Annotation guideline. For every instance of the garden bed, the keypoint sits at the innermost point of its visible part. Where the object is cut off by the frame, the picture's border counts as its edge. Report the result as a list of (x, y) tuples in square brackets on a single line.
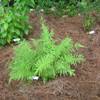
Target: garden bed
[(85, 85)]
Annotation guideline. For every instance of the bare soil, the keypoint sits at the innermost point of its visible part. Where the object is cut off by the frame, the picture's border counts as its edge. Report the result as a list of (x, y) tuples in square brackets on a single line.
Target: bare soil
[(84, 86)]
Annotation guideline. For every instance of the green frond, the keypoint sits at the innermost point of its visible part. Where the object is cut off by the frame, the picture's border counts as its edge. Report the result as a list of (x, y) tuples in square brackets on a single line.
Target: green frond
[(44, 58), (22, 62)]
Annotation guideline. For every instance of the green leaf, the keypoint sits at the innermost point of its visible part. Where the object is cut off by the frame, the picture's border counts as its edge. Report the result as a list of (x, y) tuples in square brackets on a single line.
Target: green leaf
[(6, 26)]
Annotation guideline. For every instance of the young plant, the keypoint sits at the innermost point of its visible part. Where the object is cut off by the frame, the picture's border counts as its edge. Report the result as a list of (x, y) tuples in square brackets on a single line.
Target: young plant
[(89, 22), (44, 57)]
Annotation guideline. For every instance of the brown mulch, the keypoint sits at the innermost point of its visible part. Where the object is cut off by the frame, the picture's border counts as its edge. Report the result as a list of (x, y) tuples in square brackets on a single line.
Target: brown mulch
[(85, 85)]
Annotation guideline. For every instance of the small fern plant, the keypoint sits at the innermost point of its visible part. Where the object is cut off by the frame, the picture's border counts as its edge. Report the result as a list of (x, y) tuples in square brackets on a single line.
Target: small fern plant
[(44, 57)]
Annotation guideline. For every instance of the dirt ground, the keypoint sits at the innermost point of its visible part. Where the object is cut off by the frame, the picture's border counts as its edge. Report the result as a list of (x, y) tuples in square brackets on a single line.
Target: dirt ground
[(84, 86)]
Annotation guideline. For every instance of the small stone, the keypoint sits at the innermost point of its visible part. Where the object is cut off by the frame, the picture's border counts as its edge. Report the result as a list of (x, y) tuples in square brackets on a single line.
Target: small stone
[(42, 10), (35, 77), (53, 9), (64, 16), (91, 32), (79, 14), (31, 9), (16, 40)]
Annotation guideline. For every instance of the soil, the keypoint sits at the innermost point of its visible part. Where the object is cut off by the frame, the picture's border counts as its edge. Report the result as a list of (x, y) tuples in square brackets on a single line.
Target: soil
[(85, 85)]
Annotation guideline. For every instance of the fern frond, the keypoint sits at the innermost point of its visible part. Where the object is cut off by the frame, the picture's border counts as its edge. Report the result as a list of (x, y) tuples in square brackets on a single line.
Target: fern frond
[(44, 58), (22, 62)]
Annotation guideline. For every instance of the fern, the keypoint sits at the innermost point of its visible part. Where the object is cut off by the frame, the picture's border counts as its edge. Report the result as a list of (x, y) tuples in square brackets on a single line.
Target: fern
[(22, 62), (44, 58)]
